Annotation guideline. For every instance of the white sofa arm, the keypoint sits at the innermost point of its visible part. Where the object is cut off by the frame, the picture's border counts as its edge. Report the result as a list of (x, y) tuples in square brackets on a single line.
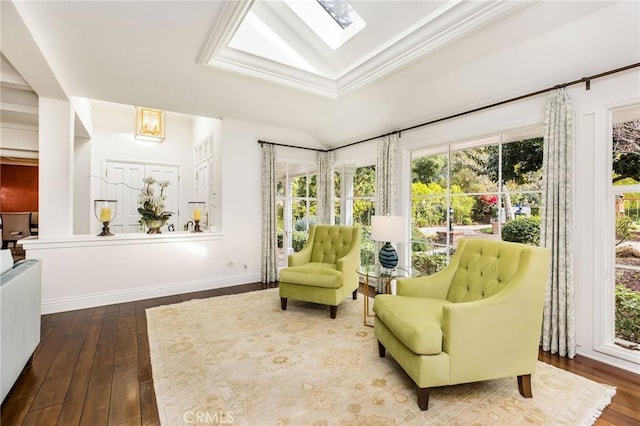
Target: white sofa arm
[(20, 300)]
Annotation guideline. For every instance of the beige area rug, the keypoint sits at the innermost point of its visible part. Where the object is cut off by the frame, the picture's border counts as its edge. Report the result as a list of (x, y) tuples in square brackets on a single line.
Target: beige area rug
[(241, 360)]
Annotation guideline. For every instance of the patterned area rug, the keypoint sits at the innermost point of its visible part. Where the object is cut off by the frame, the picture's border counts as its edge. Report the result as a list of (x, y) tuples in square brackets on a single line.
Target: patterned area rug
[(241, 360)]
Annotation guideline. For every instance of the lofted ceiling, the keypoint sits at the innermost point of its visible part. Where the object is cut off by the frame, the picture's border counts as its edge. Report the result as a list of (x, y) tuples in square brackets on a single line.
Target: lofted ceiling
[(270, 41), (256, 61)]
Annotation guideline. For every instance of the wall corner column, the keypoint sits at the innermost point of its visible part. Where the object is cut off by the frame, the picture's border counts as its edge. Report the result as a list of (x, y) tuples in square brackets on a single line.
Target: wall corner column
[(56, 142)]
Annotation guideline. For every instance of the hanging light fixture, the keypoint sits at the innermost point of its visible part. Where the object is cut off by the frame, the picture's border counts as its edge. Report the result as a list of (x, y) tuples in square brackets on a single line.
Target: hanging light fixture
[(149, 125)]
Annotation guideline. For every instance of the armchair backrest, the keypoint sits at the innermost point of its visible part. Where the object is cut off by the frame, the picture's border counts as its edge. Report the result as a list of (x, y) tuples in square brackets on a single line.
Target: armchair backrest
[(484, 268), (332, 242), (15, 226)]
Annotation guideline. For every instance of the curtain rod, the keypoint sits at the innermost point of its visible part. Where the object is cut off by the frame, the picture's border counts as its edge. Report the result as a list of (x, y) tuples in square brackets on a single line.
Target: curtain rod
[(261, 142), (585, 80)]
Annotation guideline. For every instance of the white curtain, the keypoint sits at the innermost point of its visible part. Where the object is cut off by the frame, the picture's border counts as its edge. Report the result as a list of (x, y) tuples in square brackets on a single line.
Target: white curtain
[(387, 175), (325, 188), (269, 237), (556, 228)]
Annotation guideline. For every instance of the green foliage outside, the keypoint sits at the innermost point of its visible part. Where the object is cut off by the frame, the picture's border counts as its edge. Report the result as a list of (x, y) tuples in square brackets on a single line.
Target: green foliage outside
[(422, 256), (627, 314), (364, 185), (298, 238), (521, 161), (524, 230), (301, 224), (428, 264), (429, 207), (623, 228), (420, 241), (626, 165), (430, 170), (367, 252), (462, 206)]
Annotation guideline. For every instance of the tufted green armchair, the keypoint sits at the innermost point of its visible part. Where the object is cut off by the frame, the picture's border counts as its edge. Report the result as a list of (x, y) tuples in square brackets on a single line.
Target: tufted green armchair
[(324, 271), (479, 318)]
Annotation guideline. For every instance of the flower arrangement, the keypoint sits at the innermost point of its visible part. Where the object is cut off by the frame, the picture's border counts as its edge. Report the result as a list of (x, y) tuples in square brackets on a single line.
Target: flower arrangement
[(152, 205)]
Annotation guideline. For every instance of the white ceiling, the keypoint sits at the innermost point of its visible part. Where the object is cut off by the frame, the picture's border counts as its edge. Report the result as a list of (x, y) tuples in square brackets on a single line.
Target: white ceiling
[(397, 71), (266, 39)]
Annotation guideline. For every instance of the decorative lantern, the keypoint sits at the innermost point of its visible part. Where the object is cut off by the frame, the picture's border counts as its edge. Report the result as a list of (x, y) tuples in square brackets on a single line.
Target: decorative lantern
[(105, 211), (197, 209)]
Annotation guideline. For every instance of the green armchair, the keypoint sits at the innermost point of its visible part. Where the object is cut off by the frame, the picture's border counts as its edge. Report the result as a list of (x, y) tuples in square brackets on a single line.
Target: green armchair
[(479, 318), (324, 271)]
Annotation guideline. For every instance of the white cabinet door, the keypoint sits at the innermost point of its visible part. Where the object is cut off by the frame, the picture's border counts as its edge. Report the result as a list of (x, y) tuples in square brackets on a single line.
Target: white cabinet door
[(124, 181)]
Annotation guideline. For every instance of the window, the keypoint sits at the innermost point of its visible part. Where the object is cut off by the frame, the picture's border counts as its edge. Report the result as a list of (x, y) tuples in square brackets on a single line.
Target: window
[(474, 189), (295, 206), (334, 21), (356, 187), (625, 192), (340, 10)]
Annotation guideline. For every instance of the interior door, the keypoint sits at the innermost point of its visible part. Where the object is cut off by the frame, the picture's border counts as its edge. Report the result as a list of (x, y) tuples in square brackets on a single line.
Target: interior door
[(203, 189), (124, 181), (172, 203)]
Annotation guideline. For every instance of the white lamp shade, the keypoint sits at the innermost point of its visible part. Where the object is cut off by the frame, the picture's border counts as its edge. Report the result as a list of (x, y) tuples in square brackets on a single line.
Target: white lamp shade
[(388, 228)]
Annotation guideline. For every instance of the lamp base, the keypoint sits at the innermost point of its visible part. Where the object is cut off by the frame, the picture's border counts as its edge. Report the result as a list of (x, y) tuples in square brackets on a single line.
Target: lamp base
[(105, 230), (388, 256), (196, 226)]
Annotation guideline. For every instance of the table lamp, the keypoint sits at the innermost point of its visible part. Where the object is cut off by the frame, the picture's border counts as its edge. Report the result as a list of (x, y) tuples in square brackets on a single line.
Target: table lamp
[(388, 229)]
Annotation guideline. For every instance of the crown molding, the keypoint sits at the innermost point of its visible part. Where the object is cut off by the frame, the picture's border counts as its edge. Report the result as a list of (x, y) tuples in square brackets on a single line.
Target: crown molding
[(253, 66), (443, 27), (449, 23), (224, 28)]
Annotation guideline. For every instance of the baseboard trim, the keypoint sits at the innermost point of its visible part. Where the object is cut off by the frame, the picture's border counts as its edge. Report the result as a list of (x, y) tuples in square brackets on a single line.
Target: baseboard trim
[(51, 306)]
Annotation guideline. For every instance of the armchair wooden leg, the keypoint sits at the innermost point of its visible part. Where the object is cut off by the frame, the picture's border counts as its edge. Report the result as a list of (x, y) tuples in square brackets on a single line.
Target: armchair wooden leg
[(524, 386), (354, 295), (423, 398), (283, 303), (333, 310), (381, 350)]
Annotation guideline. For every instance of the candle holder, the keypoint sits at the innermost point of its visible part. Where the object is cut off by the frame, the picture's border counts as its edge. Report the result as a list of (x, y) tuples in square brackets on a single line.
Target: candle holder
[(197, 209), (105, 211)]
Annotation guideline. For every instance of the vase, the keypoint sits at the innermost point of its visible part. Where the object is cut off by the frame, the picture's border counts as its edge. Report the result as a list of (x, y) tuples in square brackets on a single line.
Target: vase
[(154, 225)]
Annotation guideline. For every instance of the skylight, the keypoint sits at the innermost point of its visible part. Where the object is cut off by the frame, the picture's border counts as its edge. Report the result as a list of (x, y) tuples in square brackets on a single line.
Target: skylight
[(323, 15), (340, 11)]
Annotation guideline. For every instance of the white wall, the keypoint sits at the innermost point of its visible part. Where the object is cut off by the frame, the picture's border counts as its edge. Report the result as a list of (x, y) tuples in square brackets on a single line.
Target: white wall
[(83, 216), (113, 139), (141, 266), (241, 193)]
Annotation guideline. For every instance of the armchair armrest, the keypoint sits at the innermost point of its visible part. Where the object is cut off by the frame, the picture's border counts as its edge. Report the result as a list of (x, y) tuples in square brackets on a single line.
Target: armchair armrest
[(434, 286), (349, 261), (300, 258), (348, 264)]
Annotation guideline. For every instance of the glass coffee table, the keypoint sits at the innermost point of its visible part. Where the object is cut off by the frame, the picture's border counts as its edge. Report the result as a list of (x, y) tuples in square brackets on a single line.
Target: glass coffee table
[(383, 278)]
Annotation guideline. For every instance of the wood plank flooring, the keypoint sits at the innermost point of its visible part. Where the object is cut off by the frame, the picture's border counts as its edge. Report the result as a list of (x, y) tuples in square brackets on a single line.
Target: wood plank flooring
[(92, 367)]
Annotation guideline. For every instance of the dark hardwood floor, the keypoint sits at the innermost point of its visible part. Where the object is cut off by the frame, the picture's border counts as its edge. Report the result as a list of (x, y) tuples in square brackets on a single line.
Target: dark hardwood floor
[(92, 367)]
